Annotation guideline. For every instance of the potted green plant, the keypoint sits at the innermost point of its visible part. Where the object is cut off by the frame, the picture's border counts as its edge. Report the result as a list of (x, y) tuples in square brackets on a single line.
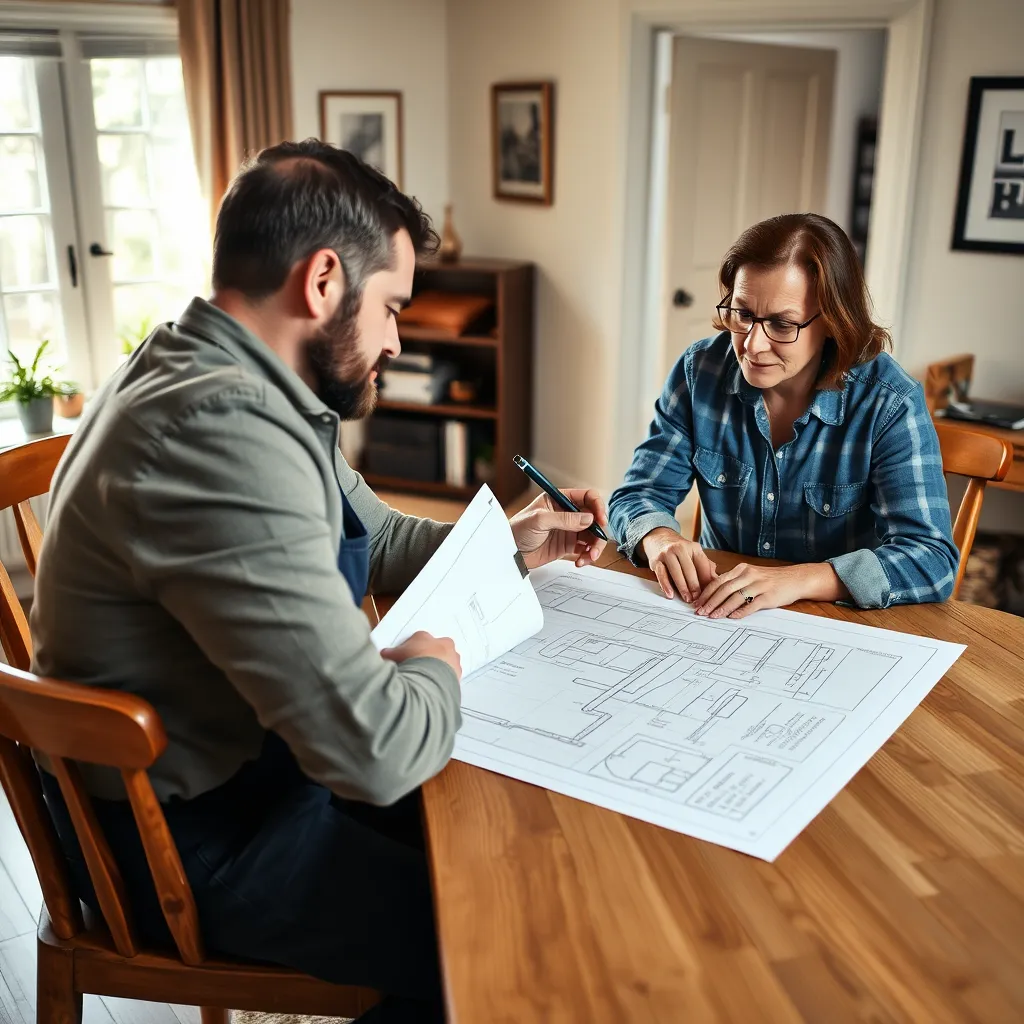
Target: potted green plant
[(34, 392)]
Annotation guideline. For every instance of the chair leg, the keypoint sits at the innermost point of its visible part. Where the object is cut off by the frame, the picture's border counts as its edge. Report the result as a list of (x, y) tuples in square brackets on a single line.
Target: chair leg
[(214, 1015), (57, 1002)]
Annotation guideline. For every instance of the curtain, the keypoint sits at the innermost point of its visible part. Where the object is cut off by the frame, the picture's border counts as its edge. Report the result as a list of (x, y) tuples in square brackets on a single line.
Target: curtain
[(236, 64)]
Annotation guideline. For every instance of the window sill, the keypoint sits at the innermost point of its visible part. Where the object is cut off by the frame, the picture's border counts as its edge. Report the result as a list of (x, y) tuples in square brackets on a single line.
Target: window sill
[(13, 433)]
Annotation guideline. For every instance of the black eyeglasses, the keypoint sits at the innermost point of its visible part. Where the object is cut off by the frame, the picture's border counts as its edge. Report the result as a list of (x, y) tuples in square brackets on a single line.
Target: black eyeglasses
[(777, 329)]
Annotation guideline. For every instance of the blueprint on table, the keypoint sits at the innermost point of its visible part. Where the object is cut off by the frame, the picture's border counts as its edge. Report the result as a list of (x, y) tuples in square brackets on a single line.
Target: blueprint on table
[(737, 732)]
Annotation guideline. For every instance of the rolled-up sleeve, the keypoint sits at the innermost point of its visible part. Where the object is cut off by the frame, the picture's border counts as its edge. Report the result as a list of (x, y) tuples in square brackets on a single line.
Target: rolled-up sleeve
[(916, 561), (232, 538), (661, 473)]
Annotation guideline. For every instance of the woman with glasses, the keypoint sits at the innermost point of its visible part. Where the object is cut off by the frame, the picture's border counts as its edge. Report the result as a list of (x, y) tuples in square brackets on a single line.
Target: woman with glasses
[(806, 441)]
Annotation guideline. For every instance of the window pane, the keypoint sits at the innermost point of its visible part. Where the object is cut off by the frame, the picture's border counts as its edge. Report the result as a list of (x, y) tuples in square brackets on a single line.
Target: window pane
[(16, 92), (24, 261), (132, 238), (19, 174), (167, 112), (138, 308), (31, 317), (117, 92), (123, 166)]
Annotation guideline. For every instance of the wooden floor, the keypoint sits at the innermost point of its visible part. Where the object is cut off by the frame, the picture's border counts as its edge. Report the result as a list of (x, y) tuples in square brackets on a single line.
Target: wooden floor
[(20, 898)]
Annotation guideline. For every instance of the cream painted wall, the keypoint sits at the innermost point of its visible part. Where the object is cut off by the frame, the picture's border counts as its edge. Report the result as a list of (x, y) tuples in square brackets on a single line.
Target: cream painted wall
[(955, 301), (383, 45), (963, 301), (573, 242)]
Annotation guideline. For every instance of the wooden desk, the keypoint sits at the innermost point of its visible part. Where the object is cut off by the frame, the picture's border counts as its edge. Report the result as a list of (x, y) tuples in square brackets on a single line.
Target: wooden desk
[(902, 901), (1015, 478)]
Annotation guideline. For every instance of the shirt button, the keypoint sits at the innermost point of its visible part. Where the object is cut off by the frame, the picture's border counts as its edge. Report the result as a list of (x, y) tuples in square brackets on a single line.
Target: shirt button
[(771, 497), (766, 545), (326, 417), (826, 507), (721, 478)]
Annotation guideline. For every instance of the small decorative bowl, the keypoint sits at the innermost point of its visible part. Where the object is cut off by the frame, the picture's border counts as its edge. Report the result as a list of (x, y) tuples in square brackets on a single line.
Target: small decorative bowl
[(462, 390)]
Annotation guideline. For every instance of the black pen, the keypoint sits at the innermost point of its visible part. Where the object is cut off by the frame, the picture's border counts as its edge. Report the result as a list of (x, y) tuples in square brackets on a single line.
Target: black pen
[(555, 494)]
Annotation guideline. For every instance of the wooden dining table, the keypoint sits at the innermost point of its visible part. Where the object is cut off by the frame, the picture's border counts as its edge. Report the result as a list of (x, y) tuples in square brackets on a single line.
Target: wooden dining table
[(902, 901)]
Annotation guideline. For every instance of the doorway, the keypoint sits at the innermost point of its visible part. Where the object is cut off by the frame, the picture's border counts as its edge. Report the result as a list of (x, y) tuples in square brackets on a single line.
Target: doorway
[(898, 31)]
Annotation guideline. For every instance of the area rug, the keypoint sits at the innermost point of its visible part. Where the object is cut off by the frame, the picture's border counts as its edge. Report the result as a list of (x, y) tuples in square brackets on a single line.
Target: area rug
[(254, 1017)]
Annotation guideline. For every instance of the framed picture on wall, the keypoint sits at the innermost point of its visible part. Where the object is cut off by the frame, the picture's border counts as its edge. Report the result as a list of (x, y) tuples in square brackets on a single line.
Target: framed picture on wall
[(990, 201), (368, 124), (522, 140)]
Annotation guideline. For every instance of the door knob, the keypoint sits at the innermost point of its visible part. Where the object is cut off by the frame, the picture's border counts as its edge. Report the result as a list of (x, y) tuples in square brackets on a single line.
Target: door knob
[(681, 297), (97, 250)]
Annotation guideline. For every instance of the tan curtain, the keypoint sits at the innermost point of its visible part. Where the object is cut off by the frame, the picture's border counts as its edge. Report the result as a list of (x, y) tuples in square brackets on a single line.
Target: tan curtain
[(237, 69)]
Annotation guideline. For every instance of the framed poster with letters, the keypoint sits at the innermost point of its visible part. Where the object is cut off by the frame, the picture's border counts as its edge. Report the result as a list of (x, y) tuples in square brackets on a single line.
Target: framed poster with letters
[(990, 200)]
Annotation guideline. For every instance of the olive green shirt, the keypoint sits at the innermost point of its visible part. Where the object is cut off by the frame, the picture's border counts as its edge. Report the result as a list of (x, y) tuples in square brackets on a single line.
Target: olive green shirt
[(190, 557)]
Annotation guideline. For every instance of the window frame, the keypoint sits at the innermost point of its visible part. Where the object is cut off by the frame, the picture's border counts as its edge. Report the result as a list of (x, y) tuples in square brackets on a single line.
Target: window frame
[(72, 168)]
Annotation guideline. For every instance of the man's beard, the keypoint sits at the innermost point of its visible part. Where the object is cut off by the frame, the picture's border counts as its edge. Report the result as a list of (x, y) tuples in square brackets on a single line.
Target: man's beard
[(343, 378)]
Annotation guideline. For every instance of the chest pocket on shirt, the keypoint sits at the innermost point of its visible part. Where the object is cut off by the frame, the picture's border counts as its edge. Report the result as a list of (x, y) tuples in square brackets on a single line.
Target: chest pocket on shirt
[(721, 480), (830, 522)]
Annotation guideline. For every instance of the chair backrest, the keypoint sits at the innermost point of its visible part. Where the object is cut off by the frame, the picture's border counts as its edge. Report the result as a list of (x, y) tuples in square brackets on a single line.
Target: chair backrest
[(71, 723), (981, 458), (25, 472), (947, 378)]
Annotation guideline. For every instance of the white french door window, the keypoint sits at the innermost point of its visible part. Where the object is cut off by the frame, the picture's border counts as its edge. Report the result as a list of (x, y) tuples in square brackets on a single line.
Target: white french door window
[(103, 230)]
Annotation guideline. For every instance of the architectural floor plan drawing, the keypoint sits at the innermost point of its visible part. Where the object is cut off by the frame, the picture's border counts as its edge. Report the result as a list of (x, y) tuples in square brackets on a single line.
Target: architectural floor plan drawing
[(737, 732)]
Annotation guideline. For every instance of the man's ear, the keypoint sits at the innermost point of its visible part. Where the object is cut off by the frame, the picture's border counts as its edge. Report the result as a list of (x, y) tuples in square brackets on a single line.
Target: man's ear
[(323, 285)]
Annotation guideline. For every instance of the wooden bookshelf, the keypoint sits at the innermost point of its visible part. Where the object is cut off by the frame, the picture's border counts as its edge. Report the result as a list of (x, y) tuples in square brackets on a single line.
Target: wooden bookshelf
[(433, 488), (450, 411), (410, 332), (496, 351)]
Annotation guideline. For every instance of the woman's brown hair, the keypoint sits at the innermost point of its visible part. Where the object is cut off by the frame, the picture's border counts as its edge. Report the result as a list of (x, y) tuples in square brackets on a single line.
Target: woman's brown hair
[(822, 248)]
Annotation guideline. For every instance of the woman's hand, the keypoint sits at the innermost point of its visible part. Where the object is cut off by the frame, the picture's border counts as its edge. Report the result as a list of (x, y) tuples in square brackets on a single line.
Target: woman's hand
[(544, 532), (767, 587), (681, 566)]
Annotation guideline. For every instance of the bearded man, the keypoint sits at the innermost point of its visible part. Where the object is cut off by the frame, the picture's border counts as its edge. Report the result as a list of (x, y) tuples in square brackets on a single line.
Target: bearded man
[(208, 548)]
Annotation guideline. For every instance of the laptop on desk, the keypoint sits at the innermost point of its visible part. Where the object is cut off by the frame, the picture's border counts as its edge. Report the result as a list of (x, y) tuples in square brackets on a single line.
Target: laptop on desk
[(993, 414)]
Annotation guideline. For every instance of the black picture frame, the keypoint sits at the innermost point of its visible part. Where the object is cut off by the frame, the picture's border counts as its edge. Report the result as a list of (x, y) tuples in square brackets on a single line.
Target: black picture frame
[(980, 88)]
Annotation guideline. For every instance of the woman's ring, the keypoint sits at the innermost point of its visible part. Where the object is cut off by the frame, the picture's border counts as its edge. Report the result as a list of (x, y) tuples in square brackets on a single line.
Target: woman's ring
[(746, 597)]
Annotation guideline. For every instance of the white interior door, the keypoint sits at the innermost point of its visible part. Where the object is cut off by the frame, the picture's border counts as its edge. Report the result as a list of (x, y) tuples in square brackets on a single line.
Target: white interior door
[(749, 139)]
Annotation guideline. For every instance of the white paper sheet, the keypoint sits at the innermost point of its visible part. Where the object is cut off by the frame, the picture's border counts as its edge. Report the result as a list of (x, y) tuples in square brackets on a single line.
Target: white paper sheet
[(471, 590), (737, 732)]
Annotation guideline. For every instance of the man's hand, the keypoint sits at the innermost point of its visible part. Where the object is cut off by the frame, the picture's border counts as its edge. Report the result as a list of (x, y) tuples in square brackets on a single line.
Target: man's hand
[(423, 645), (544, 532), (681, 565), (768, 587)]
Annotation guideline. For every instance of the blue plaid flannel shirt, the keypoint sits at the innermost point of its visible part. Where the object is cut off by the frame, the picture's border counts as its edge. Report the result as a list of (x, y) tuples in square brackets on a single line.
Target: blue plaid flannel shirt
[(860, 484)]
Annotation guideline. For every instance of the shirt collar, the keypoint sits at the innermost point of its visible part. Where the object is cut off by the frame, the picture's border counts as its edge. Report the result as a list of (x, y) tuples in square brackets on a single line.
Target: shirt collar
[(212, 324), (828, 405)]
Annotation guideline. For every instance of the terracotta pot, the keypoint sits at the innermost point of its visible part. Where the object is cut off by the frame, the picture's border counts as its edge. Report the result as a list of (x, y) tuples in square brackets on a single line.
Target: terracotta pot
[(69, 406)]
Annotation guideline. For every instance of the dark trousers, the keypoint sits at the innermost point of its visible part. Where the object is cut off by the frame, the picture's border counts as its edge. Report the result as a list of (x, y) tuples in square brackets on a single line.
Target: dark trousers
[(284, 872)]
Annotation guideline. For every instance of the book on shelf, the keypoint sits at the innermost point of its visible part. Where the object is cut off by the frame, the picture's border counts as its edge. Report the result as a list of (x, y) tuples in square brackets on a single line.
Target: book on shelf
[(421, 386), (456, 453)]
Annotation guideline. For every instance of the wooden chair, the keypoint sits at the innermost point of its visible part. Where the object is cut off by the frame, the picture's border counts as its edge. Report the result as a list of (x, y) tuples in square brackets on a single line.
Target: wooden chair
[(982, 458), (25, 472), (965, 452), (70, 723)]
